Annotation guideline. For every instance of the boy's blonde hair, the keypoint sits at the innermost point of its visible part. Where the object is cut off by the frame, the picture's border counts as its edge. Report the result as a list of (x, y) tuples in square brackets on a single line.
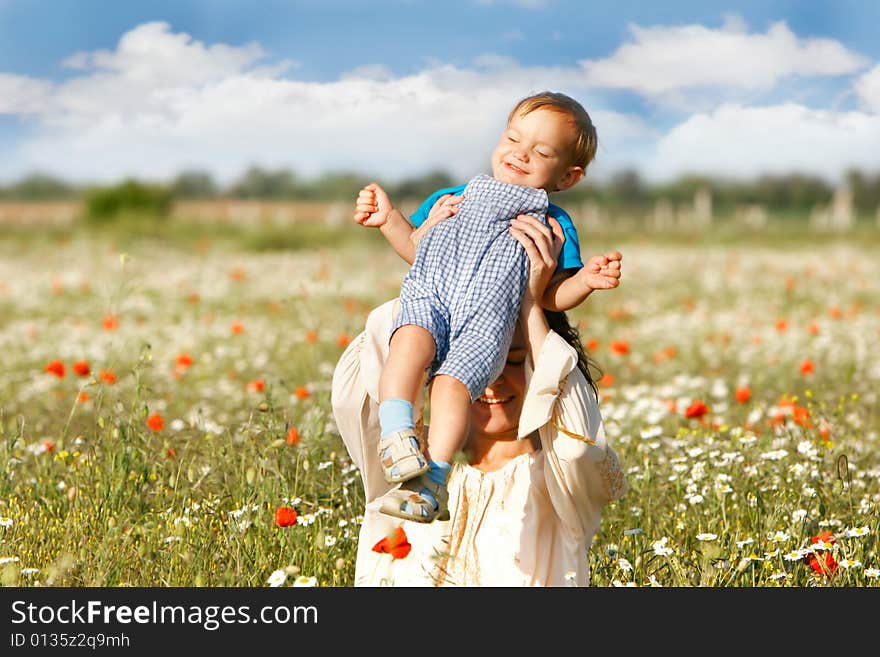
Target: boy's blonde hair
[(587, 139)]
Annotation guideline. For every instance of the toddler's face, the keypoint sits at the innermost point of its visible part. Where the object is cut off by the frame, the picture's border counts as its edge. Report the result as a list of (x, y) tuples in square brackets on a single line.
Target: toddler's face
[(536, 150)]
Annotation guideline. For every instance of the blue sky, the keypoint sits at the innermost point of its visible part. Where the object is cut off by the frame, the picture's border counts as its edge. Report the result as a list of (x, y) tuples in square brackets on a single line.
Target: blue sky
[(97, 90)]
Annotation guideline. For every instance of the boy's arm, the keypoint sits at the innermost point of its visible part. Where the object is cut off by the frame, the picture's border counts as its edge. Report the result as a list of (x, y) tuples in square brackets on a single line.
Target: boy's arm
[(568, 289), (398, 231), (373, 208)]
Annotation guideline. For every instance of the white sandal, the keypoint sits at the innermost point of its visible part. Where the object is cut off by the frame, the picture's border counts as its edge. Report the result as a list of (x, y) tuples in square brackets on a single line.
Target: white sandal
[(407, 502), (400, 454)]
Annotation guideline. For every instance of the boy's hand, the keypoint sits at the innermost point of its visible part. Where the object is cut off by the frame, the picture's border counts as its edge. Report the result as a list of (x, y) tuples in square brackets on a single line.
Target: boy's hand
[(372, 206), (602, 272)]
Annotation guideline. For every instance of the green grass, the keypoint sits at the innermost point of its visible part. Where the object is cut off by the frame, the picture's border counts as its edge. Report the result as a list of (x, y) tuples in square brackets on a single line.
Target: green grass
[(113, 502)]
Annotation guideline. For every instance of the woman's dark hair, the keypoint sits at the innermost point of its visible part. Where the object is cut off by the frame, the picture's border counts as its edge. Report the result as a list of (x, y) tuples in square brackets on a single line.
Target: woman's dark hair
[(559, 323)]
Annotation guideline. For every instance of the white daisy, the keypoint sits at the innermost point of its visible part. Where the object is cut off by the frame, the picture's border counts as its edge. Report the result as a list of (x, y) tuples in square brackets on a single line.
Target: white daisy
[(302, 580), (277, 578), (706, 536)]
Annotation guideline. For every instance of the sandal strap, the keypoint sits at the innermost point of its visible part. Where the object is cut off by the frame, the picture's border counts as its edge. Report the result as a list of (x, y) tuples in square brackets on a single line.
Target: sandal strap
[(401, 456), (407, 502)]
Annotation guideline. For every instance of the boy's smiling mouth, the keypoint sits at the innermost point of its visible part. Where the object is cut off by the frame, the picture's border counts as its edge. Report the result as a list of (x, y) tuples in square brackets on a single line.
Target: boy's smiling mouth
[(515, 169)]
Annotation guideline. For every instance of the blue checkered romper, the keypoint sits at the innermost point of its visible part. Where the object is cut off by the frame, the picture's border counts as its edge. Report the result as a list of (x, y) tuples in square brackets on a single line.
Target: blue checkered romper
[(467, 281)]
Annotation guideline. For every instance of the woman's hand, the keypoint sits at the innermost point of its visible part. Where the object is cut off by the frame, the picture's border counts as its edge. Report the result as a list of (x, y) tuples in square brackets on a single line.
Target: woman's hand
[(445, 207), (542, 245)]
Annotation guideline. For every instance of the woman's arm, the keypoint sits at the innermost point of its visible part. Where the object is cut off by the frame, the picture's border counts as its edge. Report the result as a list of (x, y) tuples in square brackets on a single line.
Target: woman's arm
[(354, 396), (582, 473)]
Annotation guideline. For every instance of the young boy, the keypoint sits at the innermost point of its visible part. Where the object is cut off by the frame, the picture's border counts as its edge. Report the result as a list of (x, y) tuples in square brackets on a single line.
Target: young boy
[(460, 300)]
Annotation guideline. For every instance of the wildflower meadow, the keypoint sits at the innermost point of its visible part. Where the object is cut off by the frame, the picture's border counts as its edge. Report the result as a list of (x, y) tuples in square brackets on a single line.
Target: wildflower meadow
[(165, 407)]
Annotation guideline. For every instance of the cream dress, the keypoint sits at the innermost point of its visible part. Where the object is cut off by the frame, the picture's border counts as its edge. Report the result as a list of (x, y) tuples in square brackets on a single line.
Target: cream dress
[(530, 523)]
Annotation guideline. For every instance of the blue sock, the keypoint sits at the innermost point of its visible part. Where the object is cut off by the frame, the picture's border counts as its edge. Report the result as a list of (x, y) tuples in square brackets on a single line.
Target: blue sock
[(395, 415), (438, 473)]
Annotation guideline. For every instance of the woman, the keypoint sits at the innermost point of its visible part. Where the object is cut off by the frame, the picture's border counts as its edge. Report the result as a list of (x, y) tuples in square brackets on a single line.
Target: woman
[(526, 505)]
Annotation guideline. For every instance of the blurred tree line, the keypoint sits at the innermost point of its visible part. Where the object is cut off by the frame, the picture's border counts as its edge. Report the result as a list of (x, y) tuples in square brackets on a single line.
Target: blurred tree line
[(625, 189)]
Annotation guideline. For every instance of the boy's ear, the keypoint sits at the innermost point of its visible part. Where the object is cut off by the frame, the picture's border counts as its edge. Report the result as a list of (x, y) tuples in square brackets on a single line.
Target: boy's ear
[(570, 178)]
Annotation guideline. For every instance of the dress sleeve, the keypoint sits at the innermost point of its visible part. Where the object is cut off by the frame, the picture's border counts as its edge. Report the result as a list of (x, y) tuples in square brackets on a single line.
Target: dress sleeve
[(581, 469), (354, 396)]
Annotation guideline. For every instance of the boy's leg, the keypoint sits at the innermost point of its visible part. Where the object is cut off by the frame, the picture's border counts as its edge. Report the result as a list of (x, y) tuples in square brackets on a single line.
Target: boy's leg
[(411, 351), (450, 418), (425, 498)]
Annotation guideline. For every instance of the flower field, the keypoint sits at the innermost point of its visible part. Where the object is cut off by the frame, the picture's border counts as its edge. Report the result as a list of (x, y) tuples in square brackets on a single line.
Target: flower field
[(165, 415)]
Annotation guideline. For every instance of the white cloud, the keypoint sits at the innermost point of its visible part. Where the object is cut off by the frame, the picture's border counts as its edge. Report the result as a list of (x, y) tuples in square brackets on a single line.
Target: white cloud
[(739, 141), (660, 61), (868, 89), (161, 102), (22, 95)]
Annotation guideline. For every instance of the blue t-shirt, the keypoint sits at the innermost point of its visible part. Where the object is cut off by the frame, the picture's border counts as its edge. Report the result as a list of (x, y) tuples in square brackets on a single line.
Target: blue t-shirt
[(569, 257)]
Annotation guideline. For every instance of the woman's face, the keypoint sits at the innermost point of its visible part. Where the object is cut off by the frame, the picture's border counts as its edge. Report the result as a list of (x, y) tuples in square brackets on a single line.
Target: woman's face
[(497, 410)]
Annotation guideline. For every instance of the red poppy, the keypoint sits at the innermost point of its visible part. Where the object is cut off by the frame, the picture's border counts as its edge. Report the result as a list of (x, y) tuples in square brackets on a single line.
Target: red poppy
[(743, 394), (696, 409), (302, 392), (83, 397), (671, 406), (801, 416), (807, 367), (49, 446), (835, 312), (823, 565), (107, 376), (110, 323), (813, 328), (257, 385), (292, 436), (592, 344), (56, 367), (619, 346), (311, 337), (781, 325), (81, 368), (237, 328), (665, 354), (606, 380), (285, 516), (183, 360), (237, 274), (342, 340), (156, 422), (395, 544)]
